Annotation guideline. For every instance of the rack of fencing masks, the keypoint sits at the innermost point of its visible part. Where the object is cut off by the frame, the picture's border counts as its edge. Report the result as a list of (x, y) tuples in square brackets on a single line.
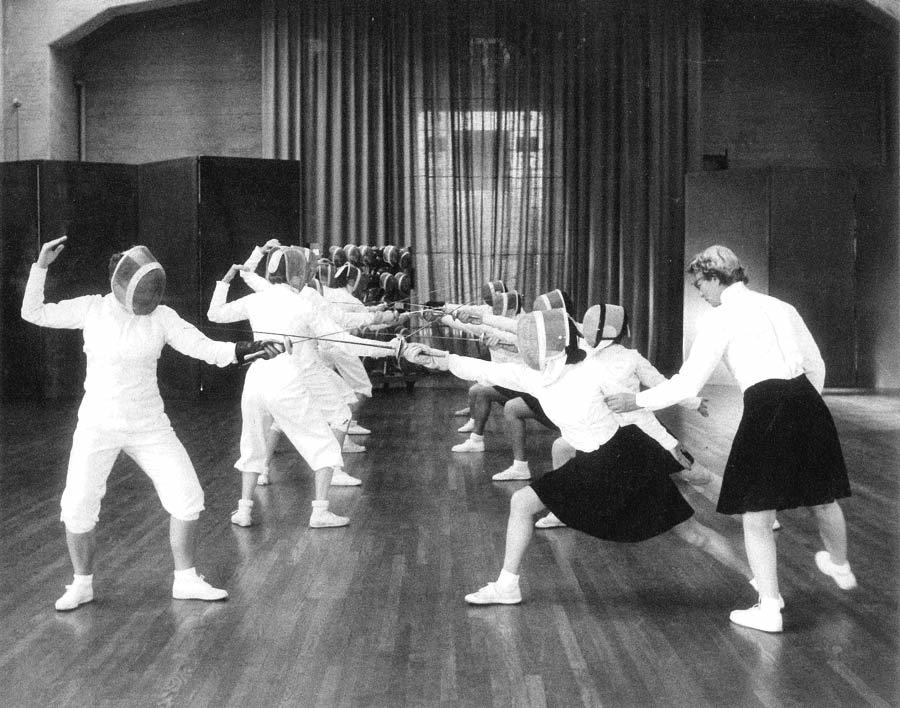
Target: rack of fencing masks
[(386, 277)]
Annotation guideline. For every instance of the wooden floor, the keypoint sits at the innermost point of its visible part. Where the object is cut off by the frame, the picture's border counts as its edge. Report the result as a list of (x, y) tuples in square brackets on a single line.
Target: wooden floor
[(372, 615)]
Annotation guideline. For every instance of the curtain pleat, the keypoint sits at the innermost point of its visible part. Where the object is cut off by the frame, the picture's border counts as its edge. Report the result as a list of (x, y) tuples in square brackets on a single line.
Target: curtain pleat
[(541, 142)]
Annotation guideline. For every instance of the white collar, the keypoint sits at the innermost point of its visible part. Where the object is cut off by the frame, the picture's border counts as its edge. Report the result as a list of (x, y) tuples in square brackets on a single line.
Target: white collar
[(734, 290)]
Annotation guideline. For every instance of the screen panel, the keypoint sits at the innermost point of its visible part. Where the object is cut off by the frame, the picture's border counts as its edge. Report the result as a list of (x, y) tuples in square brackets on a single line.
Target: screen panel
[(243, 203), (95, 205), (811, 260), (21, 347), (168, 227)]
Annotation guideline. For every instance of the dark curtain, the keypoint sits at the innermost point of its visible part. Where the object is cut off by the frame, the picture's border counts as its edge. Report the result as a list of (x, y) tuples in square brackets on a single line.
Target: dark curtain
[(533, 141)]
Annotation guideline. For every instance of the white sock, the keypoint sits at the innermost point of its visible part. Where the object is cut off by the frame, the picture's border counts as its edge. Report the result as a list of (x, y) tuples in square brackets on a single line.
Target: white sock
[(83, 579), (844, 568), (507, 580), (769, 604), (186, 574), (336, 471), (475, 437), (319, 505), (520, 465), (245, 502)]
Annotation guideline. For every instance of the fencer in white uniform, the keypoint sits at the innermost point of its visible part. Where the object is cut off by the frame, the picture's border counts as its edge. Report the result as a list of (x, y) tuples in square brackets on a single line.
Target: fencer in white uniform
[(294, 391), (605, 328), (616, 487), (351, 313), (124, 333)]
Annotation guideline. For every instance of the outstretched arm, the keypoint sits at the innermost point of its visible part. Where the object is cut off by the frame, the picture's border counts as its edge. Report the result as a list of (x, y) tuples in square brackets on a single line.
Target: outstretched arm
[(649, 376)]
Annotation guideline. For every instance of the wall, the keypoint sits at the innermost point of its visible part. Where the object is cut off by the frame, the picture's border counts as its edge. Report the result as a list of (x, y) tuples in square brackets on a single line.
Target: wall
[(38, 75), (171, 83), (805, 85), (794, 84)]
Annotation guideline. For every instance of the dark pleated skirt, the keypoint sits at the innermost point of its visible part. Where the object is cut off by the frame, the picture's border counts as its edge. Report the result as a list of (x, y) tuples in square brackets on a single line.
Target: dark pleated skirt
[(786, 451), (532, 402), (620, 492)]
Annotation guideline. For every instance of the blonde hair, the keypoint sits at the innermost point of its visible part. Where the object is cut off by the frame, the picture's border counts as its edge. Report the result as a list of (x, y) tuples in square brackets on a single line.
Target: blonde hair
[(718, 262)]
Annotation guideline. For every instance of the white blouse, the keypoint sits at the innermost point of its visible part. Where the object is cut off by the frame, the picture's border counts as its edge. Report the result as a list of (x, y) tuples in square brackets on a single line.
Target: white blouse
[(120, 387), (758, 336), (571, 396)]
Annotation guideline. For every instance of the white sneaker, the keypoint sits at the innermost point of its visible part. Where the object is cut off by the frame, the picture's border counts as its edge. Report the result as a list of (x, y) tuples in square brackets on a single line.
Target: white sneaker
[(462, 412), (467, 427), (490, 594), (196, 588), (356, 429), (76, 594), (550, 521), (324, 519), (469, 445), (758, 617), (753, 584), (243, 515), (263, 480), (841, 574), (511, 474), (342, 479), (350, 446)]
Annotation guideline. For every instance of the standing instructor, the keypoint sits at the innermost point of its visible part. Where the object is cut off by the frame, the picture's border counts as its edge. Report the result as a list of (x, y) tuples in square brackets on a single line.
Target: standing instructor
[(786, 452)]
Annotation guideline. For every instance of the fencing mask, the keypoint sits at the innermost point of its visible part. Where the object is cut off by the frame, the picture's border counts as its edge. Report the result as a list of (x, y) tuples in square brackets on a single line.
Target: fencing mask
[(288, 264), (348, 274), (602, 324), (490, 288), (555, 299), (338, 256), (541, 335), (354, 255), (325, 272), (388, 284), (138, 281), (391, 255), (507, 304), (404, 284)]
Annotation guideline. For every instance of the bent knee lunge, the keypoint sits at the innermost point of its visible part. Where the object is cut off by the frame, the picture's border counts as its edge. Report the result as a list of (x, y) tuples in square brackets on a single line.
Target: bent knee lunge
[(526, 502)]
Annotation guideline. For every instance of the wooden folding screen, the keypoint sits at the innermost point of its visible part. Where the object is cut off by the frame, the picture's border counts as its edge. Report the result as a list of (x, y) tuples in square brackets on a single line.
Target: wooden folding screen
[(95, 205), (200, 215)]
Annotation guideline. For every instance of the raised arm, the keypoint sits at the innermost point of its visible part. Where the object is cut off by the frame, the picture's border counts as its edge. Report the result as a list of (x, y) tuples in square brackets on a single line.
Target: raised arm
[(222, 311), (67, 314), (258, 253)]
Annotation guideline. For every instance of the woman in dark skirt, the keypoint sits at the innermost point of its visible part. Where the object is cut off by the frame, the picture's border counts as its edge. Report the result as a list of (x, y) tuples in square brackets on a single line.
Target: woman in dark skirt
[(786, 452), (617, 486)]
